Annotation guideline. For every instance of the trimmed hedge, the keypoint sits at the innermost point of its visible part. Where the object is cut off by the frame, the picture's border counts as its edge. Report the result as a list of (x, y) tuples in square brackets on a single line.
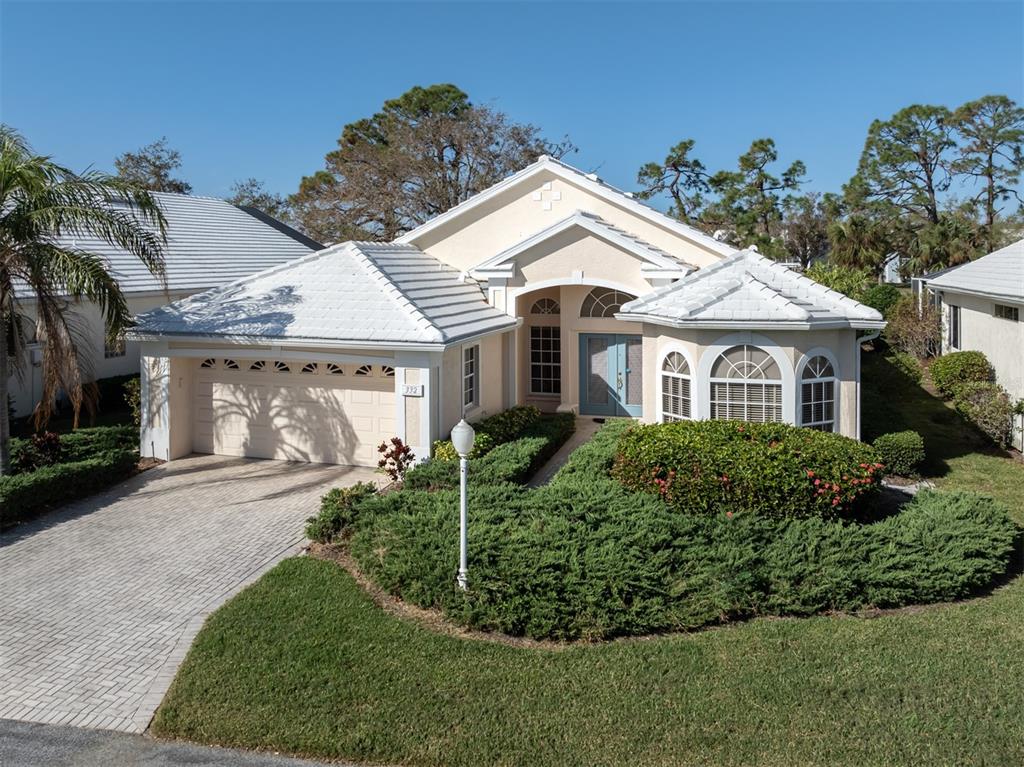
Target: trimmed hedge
[(987, 406), (514, 461), (85, 443), (338, 510), (881, 297), (772, 469), (956, 368), (585, 558), (492, 431), (900, 452), (23, 495)]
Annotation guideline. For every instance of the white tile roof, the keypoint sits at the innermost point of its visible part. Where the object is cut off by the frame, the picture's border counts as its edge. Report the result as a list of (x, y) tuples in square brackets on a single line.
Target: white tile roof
[(588, 181), (1000, 273), (656, 259), (354, 293), (210, 242), (749, 290)]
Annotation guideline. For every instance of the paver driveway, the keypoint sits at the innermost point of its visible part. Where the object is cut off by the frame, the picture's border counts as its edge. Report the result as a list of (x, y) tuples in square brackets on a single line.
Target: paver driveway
[(100, 600)]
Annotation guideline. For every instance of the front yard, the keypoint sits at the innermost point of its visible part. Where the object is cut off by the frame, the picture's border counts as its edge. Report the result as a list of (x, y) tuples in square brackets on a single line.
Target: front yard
[(305, 662)]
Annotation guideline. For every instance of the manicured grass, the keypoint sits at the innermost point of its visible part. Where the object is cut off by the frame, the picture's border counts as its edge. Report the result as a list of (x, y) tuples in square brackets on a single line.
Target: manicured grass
[(304, 662)]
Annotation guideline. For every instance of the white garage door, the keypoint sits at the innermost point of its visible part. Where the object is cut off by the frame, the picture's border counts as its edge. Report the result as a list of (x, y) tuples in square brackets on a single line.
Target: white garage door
[(295, 411)]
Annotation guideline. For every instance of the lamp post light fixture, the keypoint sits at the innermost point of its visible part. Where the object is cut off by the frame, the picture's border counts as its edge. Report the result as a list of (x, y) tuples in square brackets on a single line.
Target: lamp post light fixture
[(462, 438)]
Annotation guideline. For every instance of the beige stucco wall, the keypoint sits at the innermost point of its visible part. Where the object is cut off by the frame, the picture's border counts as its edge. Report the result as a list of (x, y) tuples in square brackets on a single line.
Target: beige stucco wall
[(492, 371), (87, 318), (1001, 340), (792, 345), (514, 215), (579, 255)]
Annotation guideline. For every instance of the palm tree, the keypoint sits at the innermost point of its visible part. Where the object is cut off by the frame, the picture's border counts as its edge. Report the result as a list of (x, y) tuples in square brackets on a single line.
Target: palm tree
[(39, 202)]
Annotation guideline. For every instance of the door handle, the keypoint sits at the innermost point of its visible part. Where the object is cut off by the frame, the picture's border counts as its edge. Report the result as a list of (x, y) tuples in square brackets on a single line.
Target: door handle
[(618, 381)]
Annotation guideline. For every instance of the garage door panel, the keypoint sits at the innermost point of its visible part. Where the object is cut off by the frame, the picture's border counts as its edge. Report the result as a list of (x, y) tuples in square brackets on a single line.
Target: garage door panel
[(291, 416)]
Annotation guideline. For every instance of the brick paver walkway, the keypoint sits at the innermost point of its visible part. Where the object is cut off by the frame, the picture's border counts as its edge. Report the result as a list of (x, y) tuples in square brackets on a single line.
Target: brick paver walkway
[(100, 600)]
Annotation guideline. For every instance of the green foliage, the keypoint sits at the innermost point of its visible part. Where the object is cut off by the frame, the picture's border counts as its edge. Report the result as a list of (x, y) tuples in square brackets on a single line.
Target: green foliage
[(587, 559), (514, 461), (773, 469), (951, 370), (842, 279), (900, 452), (881, 297), (988, 406), (151, 167), (23, 495), (908, 365), (81, 444), (912, 329), (133, 398), (444, 450), (595, 458), (338, 510), (492, 431)]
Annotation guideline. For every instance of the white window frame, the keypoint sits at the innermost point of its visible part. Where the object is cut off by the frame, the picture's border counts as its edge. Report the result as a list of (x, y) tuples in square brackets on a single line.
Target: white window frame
[(556, 336), (748, 384), (663, 415), (470, 377), (1006, 312), (806, 360), (955, 327)]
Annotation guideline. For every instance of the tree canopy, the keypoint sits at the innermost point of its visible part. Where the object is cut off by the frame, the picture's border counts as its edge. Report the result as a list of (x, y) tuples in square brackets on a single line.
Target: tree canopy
[(252, 193), (422, 154), (151, 167)]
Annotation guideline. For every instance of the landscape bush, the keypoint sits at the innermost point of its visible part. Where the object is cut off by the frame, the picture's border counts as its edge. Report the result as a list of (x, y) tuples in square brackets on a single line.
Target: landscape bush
[(770, 469), (513, 461), (23, 495), (492, 431), (337, 512), (908, 365), (900, 452), (957, 368), (881, 297), (988, 406), (912, 329), (585, 558), (851, 282), (78, 445)]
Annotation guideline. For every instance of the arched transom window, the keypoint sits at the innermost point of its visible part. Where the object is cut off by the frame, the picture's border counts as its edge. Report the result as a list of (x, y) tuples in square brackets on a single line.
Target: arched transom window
[(818, 395), (604, 302), (746, 385), (675, 388), (545, 306)]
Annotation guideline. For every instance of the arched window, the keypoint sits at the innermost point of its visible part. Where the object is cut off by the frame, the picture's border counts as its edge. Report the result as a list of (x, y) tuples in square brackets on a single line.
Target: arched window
[(258, 365), (675, 388), (545, 306), (282, 367), (387, 371), (230, 365), (364, 370), (209, 362), (310, 367), (746, 385), (818, 395), (604, 302), (335, 370)]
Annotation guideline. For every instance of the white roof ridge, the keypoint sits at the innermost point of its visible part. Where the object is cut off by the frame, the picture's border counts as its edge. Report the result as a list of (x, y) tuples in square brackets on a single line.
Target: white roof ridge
[(396, 293)]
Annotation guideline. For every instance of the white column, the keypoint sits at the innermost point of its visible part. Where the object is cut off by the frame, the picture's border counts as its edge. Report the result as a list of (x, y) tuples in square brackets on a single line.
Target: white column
[(154, 391)]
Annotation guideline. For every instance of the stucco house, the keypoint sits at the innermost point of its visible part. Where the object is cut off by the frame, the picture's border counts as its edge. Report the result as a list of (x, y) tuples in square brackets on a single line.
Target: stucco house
[(210, 242), (981, 304), (551, 288)]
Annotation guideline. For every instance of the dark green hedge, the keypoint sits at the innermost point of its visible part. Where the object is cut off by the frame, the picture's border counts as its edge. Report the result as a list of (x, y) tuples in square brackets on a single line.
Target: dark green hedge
[(772, 469), (23, 495), (951, 370), (514, 461), (900, 452), (85, 443), (588, 559)]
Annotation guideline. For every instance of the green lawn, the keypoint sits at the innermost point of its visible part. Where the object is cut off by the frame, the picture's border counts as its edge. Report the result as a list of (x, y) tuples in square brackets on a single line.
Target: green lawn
[(304, 662)]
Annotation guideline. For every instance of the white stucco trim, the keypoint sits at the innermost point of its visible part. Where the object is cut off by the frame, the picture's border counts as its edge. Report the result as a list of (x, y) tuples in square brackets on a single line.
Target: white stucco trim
[(514, 293), (820, 351), (667, 349), (774, 350)]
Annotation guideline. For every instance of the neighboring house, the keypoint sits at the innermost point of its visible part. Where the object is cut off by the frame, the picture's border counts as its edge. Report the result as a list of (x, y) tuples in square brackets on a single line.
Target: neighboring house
[(210, 242), (982, 302), (550, 288), (891, 269)]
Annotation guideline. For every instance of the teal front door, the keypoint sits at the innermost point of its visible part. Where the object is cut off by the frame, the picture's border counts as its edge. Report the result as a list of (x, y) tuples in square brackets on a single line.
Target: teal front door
[(611, 374)]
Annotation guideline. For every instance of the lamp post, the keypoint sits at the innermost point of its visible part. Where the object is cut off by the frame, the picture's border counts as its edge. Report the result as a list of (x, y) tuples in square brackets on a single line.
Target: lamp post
[(462, 438)]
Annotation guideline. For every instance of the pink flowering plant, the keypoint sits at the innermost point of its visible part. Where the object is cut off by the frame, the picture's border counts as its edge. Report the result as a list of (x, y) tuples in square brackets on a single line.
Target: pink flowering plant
[(772, 469)]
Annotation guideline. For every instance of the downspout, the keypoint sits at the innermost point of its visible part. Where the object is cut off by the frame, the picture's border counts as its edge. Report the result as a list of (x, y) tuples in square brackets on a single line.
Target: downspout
[(869, 336)]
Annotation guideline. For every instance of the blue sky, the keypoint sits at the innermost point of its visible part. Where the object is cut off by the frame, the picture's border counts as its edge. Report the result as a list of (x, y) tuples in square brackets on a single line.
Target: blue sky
[(263, 89)]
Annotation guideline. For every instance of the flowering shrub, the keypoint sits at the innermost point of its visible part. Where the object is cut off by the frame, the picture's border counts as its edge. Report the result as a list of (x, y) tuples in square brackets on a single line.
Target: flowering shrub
[(770, 469), (396, 458)]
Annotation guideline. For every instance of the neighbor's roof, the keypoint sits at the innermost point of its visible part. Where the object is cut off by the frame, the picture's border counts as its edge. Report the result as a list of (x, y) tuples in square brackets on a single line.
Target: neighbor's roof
[(749, 290), (354, 293), (999, 274), (588, 181), (210, 242)]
